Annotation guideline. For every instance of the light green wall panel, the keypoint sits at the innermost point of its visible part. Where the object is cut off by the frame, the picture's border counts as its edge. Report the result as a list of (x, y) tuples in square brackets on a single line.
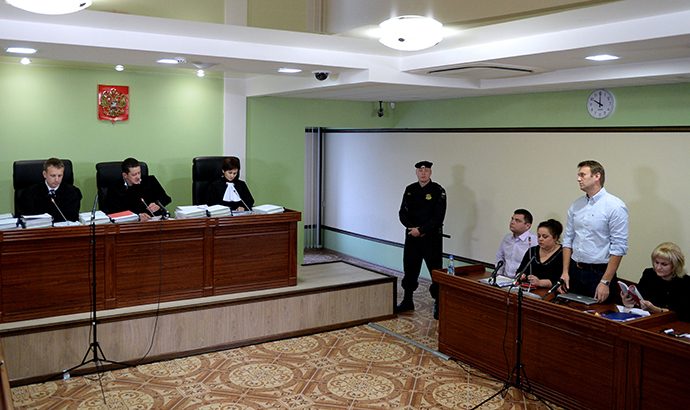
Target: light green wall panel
[(52, 111), (275, 143), (663, 105), (375, 252), (275, 130)]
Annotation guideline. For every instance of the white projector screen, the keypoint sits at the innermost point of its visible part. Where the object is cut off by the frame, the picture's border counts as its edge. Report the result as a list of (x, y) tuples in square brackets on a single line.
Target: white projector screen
[(487, 175)]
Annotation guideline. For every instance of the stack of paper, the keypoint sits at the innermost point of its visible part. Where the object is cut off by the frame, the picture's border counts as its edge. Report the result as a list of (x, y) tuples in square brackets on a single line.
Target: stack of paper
[(8, 222), (124, 216), (190, 211), (99, 217), (37, 221), (216, 211), (268, 209)]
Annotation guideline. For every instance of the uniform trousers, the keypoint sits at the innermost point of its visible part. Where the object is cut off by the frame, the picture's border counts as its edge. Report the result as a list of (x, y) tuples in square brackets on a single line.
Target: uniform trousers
[(427, 248)]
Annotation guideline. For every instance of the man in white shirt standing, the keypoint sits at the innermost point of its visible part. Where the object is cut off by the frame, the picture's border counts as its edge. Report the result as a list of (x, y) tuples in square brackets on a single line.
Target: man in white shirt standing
[(596, 236), (516, 243)]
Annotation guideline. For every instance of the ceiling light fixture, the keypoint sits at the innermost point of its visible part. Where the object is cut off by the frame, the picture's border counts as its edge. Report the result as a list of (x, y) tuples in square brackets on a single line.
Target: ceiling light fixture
[(602, 57), (200, 73), (119, 67), (50, 6), (202, 65), (287, 70), (21, 50), (175, 60), (411, 33), (25, 61)]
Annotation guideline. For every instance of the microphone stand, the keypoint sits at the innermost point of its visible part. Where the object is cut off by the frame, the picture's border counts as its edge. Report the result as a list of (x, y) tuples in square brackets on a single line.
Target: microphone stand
[(94, 346), (519, 369)]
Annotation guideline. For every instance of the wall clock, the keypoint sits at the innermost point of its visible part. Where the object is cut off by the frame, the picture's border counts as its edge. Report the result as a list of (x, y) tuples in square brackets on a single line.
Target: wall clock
[(601, 104)]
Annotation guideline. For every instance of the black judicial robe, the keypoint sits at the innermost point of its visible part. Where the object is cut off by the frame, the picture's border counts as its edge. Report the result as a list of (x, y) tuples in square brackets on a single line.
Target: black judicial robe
[(36, 200), (216, 191), (121, 197)]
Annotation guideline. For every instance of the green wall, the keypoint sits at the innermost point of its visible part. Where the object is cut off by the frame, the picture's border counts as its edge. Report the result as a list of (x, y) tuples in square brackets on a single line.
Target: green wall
[(649, 106), (52, 111), (275, 134)]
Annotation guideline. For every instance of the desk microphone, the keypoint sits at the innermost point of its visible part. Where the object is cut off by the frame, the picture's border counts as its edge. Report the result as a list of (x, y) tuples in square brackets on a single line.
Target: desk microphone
[(241, 200), (52, 199), (519, 274), (558, 284), (147, 207), (492, 280), (93, 211), (166, 213)]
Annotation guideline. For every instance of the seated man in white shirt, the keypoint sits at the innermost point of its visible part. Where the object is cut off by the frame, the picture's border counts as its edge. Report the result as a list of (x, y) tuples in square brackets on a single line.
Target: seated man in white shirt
[(516, 243)]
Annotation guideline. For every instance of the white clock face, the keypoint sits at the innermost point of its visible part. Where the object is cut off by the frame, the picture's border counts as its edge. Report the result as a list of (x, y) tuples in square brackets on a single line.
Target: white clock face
[(601, 104)]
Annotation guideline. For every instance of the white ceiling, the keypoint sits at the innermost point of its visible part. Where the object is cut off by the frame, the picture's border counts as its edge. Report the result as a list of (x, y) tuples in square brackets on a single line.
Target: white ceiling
[(651, 37)]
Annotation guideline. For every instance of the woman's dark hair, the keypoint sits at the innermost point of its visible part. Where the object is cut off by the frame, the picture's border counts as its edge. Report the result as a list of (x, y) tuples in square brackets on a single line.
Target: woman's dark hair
[(231, 163), (555, 228)]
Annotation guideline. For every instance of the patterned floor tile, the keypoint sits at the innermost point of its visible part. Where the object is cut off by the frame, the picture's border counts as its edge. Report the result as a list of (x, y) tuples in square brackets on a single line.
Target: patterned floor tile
[(359, 368)]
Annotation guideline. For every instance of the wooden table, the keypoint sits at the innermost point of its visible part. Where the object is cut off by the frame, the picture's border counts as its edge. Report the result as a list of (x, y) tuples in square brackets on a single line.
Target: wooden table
[(47, 272), (574, 358)]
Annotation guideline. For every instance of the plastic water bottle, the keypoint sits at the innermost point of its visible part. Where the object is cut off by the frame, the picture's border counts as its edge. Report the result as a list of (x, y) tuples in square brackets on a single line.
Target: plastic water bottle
[(451, 265)]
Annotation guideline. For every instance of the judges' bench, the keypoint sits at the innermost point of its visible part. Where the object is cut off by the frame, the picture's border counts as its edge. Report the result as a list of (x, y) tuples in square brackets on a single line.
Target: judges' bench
[(48, 271)]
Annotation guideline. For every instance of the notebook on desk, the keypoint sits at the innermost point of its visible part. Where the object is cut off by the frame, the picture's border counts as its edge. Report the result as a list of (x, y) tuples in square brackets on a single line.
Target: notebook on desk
[(578, 298)]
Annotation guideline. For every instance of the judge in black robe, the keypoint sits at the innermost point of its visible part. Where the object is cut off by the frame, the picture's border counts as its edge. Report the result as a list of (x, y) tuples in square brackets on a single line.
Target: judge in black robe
[(37, 199)]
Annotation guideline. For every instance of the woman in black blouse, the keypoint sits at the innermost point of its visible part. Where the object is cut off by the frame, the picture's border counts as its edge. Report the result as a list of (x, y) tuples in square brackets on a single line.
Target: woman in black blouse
[(543, 264), (665, 286), (230, 190)]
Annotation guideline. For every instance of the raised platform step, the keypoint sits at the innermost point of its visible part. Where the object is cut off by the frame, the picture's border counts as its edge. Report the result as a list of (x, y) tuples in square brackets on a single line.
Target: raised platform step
[(326, 297)]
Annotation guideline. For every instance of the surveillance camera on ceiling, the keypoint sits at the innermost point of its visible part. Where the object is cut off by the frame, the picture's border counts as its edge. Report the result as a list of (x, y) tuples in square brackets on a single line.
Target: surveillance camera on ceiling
[(321, 75)]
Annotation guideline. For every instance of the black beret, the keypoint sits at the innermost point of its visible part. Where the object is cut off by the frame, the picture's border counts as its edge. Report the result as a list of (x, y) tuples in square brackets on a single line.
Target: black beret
[(423, 164)]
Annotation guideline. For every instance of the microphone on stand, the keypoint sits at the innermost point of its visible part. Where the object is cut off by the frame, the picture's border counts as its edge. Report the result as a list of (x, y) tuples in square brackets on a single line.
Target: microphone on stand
[(558, 284), (519, 274), (166, 213), (52, 199), (241, 200), (147, 207), (492, 280)]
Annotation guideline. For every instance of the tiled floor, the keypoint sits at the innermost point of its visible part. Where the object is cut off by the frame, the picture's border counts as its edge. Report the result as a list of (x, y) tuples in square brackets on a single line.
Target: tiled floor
[(355, 368)]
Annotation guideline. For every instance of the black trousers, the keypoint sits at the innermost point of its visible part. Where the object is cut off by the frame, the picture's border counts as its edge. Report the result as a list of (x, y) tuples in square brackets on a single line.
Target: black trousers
[(427, 248)]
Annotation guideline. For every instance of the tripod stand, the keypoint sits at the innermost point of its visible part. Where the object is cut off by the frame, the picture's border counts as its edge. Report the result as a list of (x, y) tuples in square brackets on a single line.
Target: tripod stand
[(94, 346), (519, 369)]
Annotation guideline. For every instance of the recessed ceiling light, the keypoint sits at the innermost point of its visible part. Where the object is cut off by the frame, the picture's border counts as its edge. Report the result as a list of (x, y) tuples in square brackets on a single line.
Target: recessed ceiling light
[(602, 57), (119, 67), (200, 73), (288, 70), (21, 50), (25, 61), (50, 6)]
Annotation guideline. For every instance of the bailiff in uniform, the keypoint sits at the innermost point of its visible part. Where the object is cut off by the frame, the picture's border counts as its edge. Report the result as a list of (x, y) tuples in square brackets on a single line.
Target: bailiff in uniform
[(422, 212)]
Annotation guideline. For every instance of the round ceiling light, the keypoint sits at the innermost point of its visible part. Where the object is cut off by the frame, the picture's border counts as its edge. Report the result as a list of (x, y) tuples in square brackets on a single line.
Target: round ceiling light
[(411, 33), (50, 6)]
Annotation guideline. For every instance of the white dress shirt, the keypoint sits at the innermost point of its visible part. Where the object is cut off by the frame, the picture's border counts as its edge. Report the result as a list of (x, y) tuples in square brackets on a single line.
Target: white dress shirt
[(512, 250), (597, 228)]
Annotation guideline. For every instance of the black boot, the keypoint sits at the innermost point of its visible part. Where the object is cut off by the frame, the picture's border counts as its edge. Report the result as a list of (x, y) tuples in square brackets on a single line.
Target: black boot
[(406, 305)]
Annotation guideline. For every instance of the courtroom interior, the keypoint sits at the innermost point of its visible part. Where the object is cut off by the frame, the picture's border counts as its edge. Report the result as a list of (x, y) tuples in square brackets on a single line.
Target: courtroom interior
[(505, 105)]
